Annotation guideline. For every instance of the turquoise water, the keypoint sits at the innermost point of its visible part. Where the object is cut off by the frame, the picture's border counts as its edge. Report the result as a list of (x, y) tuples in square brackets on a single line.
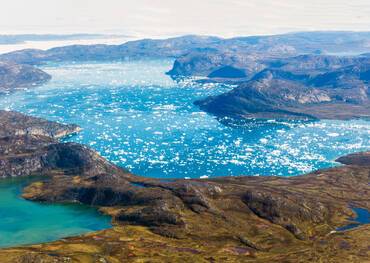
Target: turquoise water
[(24, 222), (136, 116)]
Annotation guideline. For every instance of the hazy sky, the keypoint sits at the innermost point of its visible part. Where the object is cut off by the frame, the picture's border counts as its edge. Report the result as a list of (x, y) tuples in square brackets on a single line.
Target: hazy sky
[(175, 17)]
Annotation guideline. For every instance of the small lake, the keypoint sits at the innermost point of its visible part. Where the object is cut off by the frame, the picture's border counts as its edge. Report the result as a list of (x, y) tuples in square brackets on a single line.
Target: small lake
[(362, 218), (24, 222)]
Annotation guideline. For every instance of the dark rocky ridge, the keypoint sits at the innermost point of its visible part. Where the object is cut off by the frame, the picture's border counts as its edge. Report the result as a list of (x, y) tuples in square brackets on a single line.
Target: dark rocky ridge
[(141, 49), (209, 64)]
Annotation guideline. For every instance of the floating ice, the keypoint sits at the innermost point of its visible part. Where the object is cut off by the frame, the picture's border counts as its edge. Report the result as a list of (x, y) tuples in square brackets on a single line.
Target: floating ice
[(263, 141), (139, 118)]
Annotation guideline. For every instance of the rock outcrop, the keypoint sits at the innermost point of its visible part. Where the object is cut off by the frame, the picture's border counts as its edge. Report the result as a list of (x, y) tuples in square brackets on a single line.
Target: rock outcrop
[(15, 76), (17, 124), (26, 144)]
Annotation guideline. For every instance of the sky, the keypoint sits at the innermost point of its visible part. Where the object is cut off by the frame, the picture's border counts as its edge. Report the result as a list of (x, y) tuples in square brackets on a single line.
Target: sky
[(162, 18)]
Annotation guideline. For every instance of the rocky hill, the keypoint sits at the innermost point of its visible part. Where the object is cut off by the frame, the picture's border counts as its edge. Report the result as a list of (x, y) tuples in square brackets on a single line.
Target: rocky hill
[(15, 76), (304, 87)]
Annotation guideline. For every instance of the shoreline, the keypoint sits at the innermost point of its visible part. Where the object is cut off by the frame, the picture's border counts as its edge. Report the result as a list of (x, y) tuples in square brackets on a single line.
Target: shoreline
[(232, 215)]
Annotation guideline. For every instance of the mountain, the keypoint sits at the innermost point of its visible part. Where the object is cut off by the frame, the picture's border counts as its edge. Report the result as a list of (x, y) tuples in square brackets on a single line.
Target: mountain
[(17, 124), (348, 77)]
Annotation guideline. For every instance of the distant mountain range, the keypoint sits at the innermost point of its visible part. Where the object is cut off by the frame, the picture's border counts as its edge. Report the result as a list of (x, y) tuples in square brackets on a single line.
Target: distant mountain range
[(199, 46)]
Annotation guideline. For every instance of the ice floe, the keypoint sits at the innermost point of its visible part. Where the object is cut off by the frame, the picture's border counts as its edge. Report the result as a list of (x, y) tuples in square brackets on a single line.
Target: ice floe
[(136, 116)]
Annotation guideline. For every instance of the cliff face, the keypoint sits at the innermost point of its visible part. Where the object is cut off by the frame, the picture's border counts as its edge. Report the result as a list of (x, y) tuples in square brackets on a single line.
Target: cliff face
[(15, 76)]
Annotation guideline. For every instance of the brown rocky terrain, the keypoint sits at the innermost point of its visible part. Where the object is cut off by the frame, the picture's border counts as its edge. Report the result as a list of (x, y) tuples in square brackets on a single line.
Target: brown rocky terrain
[(228, 219)]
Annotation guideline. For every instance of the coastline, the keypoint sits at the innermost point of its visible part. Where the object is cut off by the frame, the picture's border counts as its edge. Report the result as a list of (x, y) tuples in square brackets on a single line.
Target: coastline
[(244, 218)]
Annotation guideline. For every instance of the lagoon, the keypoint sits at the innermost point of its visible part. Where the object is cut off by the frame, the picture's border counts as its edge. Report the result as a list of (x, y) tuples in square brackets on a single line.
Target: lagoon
[(25, 222)]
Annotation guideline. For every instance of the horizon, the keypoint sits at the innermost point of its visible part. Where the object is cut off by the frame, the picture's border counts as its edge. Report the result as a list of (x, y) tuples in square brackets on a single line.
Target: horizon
[(102, 35), (155, 19)]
